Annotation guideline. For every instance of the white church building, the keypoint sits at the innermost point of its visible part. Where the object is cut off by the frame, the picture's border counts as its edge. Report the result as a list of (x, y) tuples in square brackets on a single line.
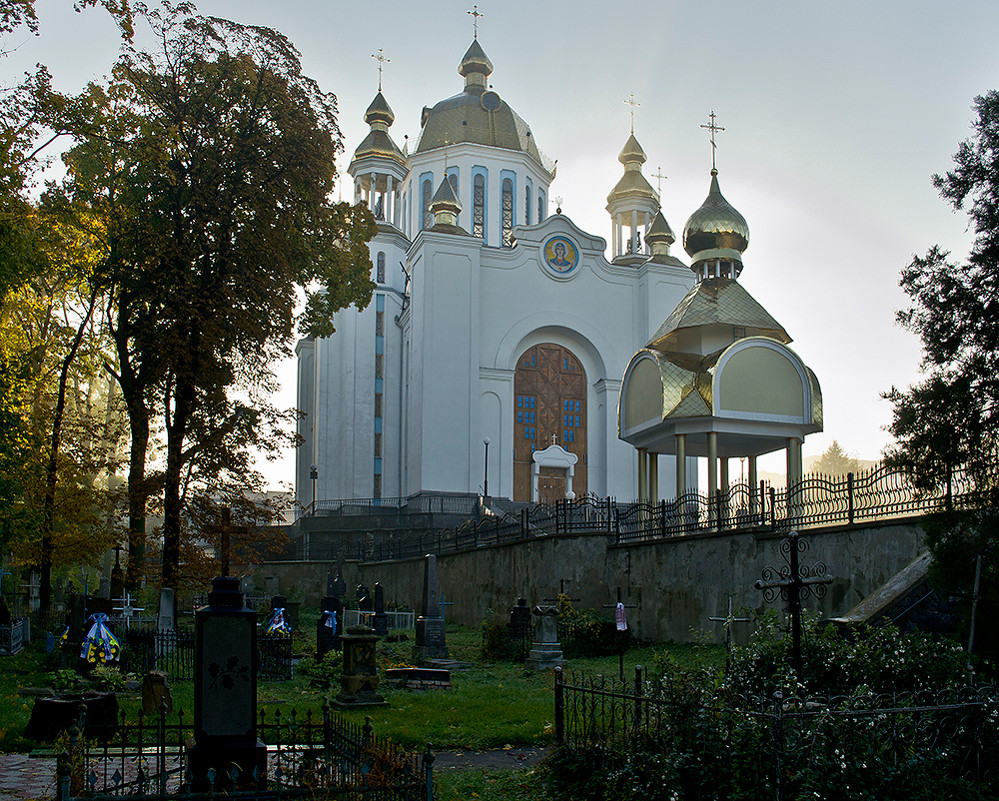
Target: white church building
[(491, 357)]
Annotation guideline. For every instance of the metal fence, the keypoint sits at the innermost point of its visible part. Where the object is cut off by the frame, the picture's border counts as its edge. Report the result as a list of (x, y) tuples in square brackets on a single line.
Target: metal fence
[(173, 653), (12, 637), (308, 756), (789, 742), (881, 493), (418, 504), (396, 620)]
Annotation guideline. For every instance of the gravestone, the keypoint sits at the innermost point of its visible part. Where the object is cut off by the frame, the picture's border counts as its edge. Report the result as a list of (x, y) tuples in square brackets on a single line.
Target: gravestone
[(546, 652), (359, 679), (519, 627), (335, 605), (326, 628), (364, 600), (104, 588), (155, 693), (380, 621), (166, 623), (117, 576), (338, 588), (430, 641), (225, 694), (76, 623)]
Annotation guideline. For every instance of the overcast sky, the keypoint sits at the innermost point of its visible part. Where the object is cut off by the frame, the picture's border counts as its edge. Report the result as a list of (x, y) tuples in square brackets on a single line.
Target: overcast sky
[(836, 115)]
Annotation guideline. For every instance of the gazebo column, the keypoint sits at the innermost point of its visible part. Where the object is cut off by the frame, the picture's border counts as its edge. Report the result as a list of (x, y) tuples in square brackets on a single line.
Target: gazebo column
[(712, 475), (390, 199), (754, 490), (634, 231), (653, 477), (793, 477), (725, 489), (642, 476), (681, 465)]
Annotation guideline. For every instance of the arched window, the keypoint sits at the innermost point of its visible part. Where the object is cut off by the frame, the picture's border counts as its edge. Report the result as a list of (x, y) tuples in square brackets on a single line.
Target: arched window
[(507, 213), (426, 191), (527, 205), (479, 206), (380, 271), (541, 207)]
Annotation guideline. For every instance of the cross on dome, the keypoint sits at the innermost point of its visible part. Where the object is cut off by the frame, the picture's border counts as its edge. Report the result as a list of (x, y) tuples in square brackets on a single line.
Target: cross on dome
[(475, 20), (381, 58), (633, 105), (714, 128), (658, 175)]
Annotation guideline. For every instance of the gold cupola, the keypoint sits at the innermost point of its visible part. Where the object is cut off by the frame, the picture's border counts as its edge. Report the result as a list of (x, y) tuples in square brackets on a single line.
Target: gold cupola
[(715, 236), (632, 204), (378, 142)]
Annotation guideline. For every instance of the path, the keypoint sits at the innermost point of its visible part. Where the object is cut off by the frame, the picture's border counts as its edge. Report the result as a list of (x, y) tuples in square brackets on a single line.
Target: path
[(23, 777)]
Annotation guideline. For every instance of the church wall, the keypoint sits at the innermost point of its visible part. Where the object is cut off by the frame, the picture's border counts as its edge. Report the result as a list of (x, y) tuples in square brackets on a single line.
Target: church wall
[(305, 456), (676, 584), (444, 407)]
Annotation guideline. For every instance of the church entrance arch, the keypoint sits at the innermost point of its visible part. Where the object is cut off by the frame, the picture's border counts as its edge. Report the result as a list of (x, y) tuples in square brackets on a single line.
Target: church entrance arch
[(549, 406)]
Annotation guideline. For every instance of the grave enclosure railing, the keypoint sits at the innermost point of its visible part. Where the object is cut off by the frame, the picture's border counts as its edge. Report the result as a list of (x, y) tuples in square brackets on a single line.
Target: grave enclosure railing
[(309, 755), (789, 742), (881, 493), (173, 653)]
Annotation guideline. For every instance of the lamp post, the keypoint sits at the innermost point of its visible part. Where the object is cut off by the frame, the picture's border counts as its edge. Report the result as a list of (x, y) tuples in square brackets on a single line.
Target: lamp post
[(485, 475), (313, 474)]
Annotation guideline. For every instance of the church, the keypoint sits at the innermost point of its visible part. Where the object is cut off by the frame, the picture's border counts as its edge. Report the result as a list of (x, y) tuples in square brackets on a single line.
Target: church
[(492, 356)]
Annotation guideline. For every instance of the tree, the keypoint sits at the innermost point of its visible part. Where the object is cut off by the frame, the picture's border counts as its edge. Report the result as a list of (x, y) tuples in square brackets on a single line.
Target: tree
[(210, 164), (835, 462), (948, 423)]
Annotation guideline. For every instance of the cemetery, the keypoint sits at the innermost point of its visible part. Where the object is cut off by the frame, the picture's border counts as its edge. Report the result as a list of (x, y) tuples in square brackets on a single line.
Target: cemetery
[(205, 694)]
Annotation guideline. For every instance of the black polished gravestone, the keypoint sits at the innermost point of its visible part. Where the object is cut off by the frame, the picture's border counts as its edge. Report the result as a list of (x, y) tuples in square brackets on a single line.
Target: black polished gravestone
[(380, 618), (365, 602), (225, 695), (329, 626)]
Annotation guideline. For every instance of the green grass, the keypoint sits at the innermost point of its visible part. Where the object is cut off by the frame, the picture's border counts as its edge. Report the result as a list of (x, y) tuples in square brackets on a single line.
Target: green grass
[(489, 785), (492, 705)]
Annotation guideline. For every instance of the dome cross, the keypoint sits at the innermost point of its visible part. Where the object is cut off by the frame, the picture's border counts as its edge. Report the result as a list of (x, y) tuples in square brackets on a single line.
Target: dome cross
[(475, 20), (633, 105), (382, 60), (658, 175), (714, 128)]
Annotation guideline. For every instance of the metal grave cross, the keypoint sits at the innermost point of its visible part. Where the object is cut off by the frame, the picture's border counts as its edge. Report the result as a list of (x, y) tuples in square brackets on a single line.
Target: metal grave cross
[(443, 602), (727, 622), (620, 630), (127, 610), (793, 582)]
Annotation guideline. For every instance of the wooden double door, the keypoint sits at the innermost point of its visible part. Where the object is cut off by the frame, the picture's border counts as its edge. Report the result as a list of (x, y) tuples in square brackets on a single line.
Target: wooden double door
[(549, 407)]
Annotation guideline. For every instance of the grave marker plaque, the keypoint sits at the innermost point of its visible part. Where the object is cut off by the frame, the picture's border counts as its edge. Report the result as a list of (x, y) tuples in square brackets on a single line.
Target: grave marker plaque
[(225, 693), (546, 652)]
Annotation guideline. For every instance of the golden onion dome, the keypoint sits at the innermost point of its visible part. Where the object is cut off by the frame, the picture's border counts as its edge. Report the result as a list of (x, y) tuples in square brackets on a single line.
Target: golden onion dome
[(475, 60), (478, 115), (632, 183), (378, 142), (716, 229), (632, 152), (379, 111), (659, 231)]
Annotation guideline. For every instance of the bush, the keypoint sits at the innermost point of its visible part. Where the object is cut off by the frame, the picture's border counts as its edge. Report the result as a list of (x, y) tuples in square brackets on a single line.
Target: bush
[(714, 733), (324, 673)]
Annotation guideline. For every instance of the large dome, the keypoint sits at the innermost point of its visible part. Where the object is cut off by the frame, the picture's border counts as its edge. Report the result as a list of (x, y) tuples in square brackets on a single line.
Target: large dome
[(716, 229), (478, 115)]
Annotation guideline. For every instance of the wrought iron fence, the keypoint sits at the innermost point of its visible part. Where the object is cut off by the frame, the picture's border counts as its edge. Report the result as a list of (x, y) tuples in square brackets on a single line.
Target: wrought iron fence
[(464, 504), (793, 742), (308, 756), (173, 653), (880, 493)]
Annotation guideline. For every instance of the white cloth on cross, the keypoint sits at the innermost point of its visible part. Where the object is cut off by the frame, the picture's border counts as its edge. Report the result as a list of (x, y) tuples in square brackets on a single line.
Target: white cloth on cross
[(620, 618)]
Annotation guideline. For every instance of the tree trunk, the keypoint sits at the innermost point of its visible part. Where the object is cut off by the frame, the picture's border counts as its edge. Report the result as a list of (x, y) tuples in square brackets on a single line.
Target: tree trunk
[(138, 424), (52, 467)]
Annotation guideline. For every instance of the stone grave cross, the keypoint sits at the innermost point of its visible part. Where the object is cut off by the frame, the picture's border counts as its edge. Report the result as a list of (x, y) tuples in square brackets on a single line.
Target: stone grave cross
[(793, 582), (225, 531)]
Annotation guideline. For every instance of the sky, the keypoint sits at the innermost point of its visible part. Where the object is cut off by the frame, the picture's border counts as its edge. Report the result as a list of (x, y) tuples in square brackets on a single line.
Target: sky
[(835, 114)]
